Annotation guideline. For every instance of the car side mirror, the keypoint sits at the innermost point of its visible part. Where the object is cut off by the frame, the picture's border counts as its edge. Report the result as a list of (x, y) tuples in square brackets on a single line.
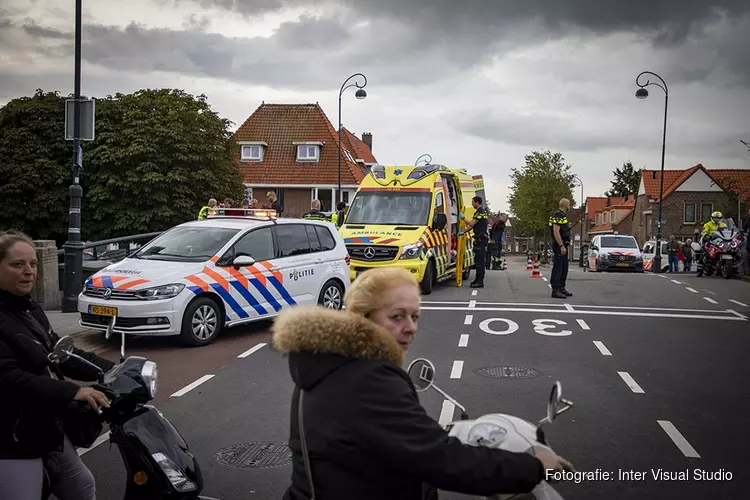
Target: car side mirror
[(243, 261), (439, 221)]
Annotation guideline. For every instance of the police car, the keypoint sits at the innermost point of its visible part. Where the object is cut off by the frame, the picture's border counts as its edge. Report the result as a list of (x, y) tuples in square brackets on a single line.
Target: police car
[(234, 267)]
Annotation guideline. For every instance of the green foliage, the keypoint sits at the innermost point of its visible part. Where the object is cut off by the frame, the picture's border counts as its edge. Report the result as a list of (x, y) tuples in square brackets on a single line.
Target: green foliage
[(627, 181), (159, 155), (35, 166), (537, 189)]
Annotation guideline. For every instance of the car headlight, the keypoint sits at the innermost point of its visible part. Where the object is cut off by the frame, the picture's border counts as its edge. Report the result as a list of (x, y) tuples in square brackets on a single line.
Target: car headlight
[(411, 251), (160, 292), (150, 376), (604, 256)]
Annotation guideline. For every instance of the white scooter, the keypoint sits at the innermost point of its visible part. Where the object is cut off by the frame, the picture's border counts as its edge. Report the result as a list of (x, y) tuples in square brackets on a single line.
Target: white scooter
[(498, 430)]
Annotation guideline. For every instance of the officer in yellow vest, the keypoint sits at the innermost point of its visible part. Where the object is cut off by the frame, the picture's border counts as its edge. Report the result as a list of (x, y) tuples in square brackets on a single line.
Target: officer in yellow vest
[(204, 211), (339, 215), (315, 213)]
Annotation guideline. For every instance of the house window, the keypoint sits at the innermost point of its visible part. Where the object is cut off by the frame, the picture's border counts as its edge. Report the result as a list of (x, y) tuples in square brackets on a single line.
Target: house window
[(598, 219), (612, 216), (689, 216), (706, 209), (604, 218), (251, 152), (326, 198), (307, 152), (346, 197)]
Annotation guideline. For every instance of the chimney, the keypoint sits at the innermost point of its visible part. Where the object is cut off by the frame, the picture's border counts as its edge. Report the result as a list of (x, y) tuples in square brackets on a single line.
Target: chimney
[(367, 139)]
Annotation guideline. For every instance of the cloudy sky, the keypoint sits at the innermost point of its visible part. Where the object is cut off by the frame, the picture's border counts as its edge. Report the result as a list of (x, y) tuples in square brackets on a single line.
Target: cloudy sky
[(476, 84)]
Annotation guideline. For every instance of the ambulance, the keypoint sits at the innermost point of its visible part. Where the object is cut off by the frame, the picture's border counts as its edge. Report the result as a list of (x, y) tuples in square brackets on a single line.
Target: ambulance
[(408, 217)]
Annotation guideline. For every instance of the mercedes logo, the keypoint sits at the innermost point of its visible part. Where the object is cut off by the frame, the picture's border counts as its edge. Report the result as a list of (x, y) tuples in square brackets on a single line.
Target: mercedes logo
[(622, 257), (107, 293), (369, 252)]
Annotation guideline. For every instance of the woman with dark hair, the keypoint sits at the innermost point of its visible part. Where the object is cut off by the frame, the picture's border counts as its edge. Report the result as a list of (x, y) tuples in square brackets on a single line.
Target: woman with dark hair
[(35, 395)]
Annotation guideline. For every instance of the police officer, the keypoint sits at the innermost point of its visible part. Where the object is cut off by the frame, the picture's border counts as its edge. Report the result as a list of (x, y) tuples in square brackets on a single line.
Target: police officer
[(478, 225), (204, 211), (315, 213), (560, 230), (340, 214)]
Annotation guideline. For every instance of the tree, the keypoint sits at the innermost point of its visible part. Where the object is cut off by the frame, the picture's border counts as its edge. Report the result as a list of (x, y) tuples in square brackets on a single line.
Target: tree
[(537, 189), (627, 181)]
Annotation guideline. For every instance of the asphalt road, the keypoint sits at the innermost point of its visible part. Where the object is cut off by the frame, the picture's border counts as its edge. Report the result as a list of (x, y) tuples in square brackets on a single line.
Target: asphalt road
[(657, 368)]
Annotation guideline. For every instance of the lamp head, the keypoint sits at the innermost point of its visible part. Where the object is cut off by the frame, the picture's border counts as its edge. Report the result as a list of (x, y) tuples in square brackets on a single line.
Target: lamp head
[(360, 94), (641, 93)]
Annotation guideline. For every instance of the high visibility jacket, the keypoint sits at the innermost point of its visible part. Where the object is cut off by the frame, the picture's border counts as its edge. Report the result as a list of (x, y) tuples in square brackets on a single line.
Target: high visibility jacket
[(711, 227), (338, 218), (316, 215), (204, 212)]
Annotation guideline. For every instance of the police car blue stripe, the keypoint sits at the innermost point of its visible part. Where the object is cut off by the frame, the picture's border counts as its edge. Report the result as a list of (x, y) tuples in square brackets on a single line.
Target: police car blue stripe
[(107, 282), (195, 289), (249, 297), (266, 294), (90, 282), (282, 290), (229, 300)]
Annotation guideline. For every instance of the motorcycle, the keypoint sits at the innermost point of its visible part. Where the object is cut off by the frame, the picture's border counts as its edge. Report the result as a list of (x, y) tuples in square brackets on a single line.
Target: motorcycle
[(157, 459), (722, 252), (498, 430)]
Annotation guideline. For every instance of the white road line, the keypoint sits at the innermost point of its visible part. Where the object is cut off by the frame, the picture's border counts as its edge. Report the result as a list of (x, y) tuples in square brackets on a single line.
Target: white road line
[(631, 383), (472, 304), (545, 279), (458, 367), (602, 348), (463, 341), (739, 315), (559, 305), (709, 299), (549, 285), (678, 439), (251, 350), (569, 308), (676, 282), (661, 276), (583, 324), (709, 291), (738, 303), (101, 439), (468, 319), (192, 386), (446, 414), (473, 293), (691, 289)]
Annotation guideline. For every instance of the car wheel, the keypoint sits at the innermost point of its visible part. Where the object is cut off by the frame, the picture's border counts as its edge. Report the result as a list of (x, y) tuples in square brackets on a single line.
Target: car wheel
[(332, 295), (428, 279), (202, 322)]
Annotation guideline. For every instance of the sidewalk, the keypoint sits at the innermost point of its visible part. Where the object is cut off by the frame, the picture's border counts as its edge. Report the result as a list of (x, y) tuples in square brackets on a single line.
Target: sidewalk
[(67, 324)]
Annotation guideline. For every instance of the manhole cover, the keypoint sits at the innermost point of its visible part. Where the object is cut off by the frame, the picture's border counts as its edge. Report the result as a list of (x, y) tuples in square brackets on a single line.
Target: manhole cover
[(506, 372), (255, 455)]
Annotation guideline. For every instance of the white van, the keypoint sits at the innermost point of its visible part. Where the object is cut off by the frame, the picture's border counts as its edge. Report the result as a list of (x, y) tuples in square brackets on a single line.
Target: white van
[(614, 251)]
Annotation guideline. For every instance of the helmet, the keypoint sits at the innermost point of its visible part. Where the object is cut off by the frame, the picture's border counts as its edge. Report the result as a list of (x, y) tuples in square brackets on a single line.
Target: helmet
[(717, 216)]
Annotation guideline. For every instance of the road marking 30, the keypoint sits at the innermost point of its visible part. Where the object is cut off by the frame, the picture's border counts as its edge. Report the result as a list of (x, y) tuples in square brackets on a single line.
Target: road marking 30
[(458, 368), (602, 348), (738, 303), (463, 341), (251, 350), (446, 414), (190, 387), (631, 383), (678, 439)]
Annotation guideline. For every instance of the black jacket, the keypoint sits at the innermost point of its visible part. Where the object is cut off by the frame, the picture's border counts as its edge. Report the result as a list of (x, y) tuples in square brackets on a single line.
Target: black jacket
[(32, 401), (367, 434)]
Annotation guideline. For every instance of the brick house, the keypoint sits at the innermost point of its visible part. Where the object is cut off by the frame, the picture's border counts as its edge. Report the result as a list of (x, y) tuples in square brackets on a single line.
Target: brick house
[(616, 216), (690, 196), (292, 149)]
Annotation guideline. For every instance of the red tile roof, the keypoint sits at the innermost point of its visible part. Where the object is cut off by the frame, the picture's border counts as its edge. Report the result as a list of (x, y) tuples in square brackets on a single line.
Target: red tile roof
[(598, 203), (735, 180), (609, 226), (280, 125), (359, 149), (728, 179)]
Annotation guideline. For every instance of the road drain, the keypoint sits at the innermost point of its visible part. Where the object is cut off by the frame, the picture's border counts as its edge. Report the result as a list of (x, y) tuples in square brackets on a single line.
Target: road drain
[(506, 372), (255, 455)]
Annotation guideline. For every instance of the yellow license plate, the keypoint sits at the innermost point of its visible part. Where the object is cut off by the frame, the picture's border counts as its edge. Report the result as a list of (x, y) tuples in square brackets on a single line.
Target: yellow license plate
[(103, 311), (622, 264)]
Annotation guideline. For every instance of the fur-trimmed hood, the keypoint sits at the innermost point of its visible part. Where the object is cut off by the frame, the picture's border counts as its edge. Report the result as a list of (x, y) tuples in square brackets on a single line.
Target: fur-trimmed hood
[(320, 340)]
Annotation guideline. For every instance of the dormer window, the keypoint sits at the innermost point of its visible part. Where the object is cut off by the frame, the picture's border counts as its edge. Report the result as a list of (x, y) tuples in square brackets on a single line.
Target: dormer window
[(252, 150), (308, 151)]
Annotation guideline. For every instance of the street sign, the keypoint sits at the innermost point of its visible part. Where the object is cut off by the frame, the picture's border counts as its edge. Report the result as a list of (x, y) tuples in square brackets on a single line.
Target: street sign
[(87, 119)]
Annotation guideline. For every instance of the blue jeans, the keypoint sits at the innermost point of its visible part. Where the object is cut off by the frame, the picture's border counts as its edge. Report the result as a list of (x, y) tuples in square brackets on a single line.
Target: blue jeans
[(674, 263)]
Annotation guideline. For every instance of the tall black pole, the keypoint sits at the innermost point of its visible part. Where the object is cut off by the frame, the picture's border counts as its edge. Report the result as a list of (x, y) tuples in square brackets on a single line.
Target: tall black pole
[(361, 94), (74, 246), (340, 197)]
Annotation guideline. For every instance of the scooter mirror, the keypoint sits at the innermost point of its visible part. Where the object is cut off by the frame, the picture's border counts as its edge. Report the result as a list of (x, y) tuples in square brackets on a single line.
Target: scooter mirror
[(422, 374), (61, 351), (553, 404)]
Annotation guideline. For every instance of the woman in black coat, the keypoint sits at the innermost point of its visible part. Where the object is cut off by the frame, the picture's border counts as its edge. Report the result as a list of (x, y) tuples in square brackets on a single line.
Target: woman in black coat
[(367, 435), (34, 395)]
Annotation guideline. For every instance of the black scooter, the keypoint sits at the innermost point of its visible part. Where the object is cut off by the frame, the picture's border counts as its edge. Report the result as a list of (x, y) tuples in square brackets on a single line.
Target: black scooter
[(158, 461)]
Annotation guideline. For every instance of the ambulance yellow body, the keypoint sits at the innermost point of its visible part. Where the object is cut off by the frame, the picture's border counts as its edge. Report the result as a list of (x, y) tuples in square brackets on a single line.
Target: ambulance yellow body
[(408, 217)]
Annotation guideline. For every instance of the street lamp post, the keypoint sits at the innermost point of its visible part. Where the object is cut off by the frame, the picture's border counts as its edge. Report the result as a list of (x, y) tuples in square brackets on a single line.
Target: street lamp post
[(429, 159), (74, 246), (642, 93), (359, 94), (581, 183)]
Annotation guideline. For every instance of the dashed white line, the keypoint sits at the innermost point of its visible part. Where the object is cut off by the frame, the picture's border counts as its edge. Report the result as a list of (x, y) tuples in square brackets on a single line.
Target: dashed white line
[(468, 319), (472, 304), (251, 350), (583, 324), (545, 279), (709, 299), (661, 276), (446, 414), (676, 282), (678, 439), (458, 367), (463, 341), (738, 303), (101, 439), (739, 315), (602, 348), (631, 383), (691, 289), (473, 293), (190, 387), (569, 307), (549, 285)]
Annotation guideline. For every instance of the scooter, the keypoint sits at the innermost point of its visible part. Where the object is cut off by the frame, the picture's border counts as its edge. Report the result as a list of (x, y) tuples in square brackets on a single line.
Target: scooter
[(498, 430), (157, 459)]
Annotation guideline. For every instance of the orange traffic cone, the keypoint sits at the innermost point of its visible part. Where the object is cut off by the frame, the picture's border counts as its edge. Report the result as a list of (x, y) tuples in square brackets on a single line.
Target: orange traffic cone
[(505, 265), (529, 264), (536, 273)]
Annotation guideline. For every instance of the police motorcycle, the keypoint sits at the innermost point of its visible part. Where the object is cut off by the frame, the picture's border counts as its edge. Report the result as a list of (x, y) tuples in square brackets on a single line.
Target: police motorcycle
[(721, 252), (158, 461), (498, 430)]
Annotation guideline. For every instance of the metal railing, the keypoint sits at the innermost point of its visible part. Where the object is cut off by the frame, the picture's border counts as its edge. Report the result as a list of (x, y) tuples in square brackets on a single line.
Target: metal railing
[(112, 241)]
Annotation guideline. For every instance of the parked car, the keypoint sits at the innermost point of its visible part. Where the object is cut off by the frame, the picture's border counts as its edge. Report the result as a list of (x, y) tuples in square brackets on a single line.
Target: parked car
[(614, 251)]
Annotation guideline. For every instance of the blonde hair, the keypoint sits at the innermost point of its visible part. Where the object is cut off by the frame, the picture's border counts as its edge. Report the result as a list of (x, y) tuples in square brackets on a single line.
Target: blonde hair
[(9, 238), (369, 289)]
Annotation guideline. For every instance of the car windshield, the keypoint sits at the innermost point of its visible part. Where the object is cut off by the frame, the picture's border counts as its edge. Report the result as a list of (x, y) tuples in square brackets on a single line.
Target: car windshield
[(186, 244), (390, 207), (619, 242)]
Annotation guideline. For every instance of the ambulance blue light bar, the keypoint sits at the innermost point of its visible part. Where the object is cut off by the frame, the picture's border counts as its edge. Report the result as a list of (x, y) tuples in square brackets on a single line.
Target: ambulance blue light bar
[(241, 212)]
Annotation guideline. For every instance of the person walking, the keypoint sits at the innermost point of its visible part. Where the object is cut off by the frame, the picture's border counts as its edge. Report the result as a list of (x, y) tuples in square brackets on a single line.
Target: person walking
[(673, 250), (560, 229), (687, 252), (478, 224)]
